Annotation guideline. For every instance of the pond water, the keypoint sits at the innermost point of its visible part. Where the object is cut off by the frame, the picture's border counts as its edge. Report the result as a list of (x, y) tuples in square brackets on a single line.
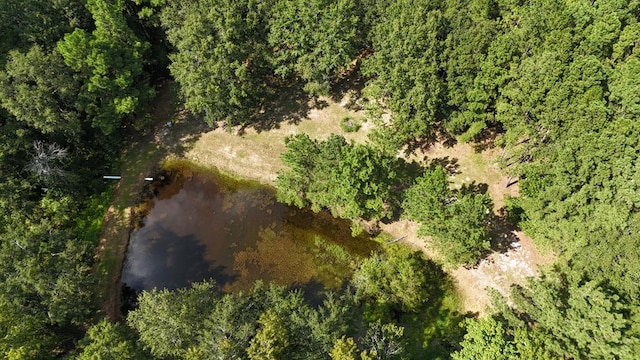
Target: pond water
[(201, 225)]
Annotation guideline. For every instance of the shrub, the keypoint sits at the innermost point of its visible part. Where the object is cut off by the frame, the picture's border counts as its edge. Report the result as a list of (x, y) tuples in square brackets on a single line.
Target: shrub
[(348, 124)]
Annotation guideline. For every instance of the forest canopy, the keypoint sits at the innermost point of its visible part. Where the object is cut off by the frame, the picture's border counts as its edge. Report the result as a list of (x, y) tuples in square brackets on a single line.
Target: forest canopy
[(554, 83)]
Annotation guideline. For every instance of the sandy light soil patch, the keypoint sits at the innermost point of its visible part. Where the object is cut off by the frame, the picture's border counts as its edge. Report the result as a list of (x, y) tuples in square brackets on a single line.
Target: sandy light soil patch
[(498, 271)]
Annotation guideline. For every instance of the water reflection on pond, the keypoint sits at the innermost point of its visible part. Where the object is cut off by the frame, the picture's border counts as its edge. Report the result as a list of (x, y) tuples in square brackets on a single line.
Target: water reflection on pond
[(202, 226)]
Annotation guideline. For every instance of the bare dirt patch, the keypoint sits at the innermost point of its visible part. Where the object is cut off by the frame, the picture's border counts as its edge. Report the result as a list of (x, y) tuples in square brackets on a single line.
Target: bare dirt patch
[(498, 271)]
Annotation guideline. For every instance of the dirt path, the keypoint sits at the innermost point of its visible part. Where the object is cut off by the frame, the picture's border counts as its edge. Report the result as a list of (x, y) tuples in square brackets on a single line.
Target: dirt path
[(111, 251), (141, 158)]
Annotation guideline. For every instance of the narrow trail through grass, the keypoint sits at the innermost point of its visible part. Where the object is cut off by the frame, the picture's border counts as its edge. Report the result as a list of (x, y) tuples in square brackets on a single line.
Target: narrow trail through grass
[(141, 157)]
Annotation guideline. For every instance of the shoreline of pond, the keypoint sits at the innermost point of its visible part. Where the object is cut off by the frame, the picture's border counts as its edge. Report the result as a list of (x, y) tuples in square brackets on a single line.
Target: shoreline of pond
[(175, 174)]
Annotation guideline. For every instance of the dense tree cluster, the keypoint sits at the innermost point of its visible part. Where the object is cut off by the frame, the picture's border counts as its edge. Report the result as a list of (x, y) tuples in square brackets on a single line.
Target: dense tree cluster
[(457, 221), (561, 315), (230, 53), (70, 76), (271, 322), (353, 181), (557, 81)]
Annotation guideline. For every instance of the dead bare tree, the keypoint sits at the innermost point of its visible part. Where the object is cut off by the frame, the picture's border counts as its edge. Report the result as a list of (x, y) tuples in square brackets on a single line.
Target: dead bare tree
[(46, 160)]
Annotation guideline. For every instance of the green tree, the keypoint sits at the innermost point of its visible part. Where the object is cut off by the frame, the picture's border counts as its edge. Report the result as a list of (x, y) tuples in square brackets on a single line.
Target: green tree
[(109, 62), (300, 156), (353, 181), (344, 349), (462, 234), (24, 335), (220, 57), (560, 315), (108, 341), (401, 279), (489, 338), (44, 270), (271, 340), (24, 24), (407, 43), (471, 27), (457, 222), (41, 91), (317, 328), (625, 87), (313, 40), (384, 341), (425, 201), (230, 326), (485, 339), (577, 318), (169, 323)]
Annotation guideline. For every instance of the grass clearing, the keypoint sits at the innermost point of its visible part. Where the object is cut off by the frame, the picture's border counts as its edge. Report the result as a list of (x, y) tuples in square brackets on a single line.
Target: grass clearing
[(255, 154)]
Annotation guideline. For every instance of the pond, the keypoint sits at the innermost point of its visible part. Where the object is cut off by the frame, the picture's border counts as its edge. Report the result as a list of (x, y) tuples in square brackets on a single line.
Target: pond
[(201, 225)]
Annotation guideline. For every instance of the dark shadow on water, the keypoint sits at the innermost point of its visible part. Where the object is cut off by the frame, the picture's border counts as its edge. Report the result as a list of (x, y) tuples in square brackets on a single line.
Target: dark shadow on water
[(314, 292), (169, 261), (128, 299)]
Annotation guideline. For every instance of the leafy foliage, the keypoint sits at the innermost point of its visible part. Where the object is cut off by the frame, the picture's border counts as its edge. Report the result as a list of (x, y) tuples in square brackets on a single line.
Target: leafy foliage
[(168, 321), (107, 341), (560, 315), (458, 222), (265, 323), (41, 91), (407, 42), (400, 280), (109, 61), (354, 181), (221, 55), (313, 39)]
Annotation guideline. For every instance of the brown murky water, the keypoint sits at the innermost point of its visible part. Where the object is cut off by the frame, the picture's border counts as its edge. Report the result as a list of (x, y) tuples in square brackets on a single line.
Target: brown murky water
[(203, 225)]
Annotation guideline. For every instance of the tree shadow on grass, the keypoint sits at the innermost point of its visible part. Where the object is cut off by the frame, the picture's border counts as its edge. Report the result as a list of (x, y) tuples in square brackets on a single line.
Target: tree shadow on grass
[(474, 188), (503, 232), (350, 84), (449, 164), (486, 139), (424, 143), (288, 104), (434, 331)]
